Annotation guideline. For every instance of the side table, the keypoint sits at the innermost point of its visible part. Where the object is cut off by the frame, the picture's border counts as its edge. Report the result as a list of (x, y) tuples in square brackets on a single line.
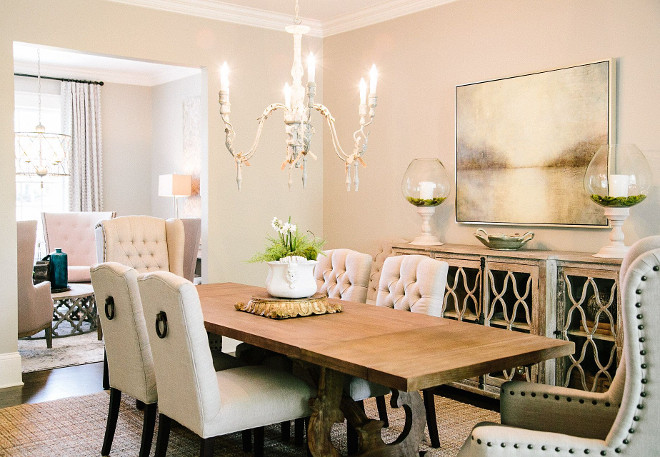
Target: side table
[(76, 306)]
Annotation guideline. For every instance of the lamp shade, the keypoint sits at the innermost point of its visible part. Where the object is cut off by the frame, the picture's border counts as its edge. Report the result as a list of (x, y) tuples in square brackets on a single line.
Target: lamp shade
[(174, 185)]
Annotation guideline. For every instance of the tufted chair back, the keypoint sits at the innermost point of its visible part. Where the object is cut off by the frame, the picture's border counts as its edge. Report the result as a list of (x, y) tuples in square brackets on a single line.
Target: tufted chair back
[(343, 274), (413, 282), (74, 233), (384, 251), (130, 365), (143, 242)]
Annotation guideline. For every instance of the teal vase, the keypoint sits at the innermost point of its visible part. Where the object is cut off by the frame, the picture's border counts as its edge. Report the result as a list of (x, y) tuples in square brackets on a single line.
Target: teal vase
[(58, 274)]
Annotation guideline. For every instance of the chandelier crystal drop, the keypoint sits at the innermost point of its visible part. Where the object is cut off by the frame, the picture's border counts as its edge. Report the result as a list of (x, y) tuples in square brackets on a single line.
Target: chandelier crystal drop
[(297, 107), (40, 152)]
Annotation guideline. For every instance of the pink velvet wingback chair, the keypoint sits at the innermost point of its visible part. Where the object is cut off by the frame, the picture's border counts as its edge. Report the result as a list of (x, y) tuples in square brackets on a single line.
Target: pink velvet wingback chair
[(35, 306), (74, 233)]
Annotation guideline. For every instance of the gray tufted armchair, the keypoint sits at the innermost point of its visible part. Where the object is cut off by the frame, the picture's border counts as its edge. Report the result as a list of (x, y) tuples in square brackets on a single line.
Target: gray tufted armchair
[(343, 274), (540, 420)]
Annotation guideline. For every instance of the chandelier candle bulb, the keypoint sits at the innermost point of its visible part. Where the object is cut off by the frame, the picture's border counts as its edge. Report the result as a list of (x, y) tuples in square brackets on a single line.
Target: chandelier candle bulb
[(373, 81), (224, 78)]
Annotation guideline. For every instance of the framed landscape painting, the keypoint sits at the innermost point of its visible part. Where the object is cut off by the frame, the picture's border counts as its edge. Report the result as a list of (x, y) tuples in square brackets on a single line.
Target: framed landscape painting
[(523, 144)]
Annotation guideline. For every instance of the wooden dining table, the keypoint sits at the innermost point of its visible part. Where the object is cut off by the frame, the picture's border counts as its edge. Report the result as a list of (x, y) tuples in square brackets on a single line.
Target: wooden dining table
[(404, 351)]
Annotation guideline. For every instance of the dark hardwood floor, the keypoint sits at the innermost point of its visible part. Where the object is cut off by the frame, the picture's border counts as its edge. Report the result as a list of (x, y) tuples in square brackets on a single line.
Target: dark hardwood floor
[(56, 384)]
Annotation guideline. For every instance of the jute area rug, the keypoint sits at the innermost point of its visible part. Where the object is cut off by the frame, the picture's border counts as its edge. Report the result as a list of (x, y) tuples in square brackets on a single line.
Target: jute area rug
[(66, 352), (75, 426)]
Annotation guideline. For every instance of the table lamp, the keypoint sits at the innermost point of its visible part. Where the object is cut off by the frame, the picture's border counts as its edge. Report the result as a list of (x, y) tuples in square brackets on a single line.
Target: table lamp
[(174, 186)]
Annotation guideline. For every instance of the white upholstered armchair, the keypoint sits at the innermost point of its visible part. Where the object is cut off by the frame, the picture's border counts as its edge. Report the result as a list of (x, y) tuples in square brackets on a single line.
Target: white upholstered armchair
[(540, 420), (74, 233), (143, 242)]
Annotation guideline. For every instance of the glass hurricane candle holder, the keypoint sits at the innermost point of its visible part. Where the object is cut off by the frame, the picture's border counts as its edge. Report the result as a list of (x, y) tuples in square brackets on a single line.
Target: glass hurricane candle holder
[(425, 185), (617, 178)]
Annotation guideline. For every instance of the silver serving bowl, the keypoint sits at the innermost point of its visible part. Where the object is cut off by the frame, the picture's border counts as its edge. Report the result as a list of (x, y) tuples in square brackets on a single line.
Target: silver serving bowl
[(503, 242)]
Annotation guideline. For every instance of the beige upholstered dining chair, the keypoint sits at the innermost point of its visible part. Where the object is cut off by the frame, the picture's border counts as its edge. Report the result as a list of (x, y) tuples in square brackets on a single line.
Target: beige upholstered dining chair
[(74, 233), (541, 420), (130, 364), (343, 274), (190, 392), (410, 283), (35, 305), (145, 243)]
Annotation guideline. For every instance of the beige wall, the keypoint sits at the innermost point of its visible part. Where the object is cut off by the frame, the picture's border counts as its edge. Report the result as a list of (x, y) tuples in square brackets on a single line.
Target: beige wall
[(126, 119), (260, 61), (423, 57)]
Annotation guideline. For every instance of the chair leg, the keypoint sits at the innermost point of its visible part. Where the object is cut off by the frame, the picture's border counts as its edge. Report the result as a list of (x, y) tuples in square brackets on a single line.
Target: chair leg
[(285, 429), (164, 423), (299, 431), (246, 435), (148, 425), (106, 378), (431, 420), (111, 423), (259, 441), (206, 447), (351, 434), (139, 405), (382, 410), (49, 337)]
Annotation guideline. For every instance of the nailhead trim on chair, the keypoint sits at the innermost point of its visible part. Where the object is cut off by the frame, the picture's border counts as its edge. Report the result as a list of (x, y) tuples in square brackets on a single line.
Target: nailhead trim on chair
[(642, 394)]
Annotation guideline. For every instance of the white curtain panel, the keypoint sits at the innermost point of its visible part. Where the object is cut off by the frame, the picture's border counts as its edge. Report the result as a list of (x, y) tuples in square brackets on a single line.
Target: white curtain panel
[(82, 108)]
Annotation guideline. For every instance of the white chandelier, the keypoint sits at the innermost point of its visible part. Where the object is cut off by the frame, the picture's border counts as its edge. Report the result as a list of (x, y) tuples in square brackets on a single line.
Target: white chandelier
[(39, 152), (298, 106)]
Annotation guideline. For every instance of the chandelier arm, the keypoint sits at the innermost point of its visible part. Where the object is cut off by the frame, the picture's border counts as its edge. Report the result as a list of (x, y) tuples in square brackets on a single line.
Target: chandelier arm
[(325, 112)]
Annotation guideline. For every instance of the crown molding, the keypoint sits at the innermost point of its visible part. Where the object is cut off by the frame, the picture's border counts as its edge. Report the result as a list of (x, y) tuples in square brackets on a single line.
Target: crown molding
[(227, 12), (254, 17), (384, 12)]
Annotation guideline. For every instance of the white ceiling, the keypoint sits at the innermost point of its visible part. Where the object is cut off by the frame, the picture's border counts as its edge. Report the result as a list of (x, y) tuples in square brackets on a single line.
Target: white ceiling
[(325, 17)]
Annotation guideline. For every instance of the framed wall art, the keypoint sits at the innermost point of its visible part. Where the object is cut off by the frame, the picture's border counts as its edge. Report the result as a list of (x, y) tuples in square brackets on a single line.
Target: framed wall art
[(523, 144)]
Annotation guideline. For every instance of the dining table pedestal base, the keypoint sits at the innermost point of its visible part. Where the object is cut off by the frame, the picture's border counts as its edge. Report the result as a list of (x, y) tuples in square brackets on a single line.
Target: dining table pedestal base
[(331, 406)]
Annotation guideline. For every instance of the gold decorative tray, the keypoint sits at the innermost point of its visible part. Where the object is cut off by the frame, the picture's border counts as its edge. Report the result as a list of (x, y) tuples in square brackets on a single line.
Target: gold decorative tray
[(285, 308)]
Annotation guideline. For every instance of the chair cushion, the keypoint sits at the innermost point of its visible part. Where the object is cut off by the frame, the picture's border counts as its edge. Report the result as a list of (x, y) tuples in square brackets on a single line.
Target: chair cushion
[(361, 389)]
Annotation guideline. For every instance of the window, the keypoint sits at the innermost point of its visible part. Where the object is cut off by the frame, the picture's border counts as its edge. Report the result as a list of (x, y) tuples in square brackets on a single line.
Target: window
[(34, 195)]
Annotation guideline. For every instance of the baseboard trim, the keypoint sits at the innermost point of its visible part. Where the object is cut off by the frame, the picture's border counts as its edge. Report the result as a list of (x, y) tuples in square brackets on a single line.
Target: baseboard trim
[(10, 370)]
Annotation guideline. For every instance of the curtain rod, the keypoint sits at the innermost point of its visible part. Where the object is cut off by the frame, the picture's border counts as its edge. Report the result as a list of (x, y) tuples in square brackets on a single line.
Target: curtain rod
[(100, 83)]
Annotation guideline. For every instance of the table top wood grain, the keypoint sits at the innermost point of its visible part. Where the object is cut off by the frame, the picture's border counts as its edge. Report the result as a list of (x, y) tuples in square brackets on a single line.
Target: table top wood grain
[(402, 350)]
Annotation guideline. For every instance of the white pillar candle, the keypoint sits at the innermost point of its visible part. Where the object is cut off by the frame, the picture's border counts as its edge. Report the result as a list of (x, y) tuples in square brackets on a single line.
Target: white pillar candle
[(619, 185), (426, 190)]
